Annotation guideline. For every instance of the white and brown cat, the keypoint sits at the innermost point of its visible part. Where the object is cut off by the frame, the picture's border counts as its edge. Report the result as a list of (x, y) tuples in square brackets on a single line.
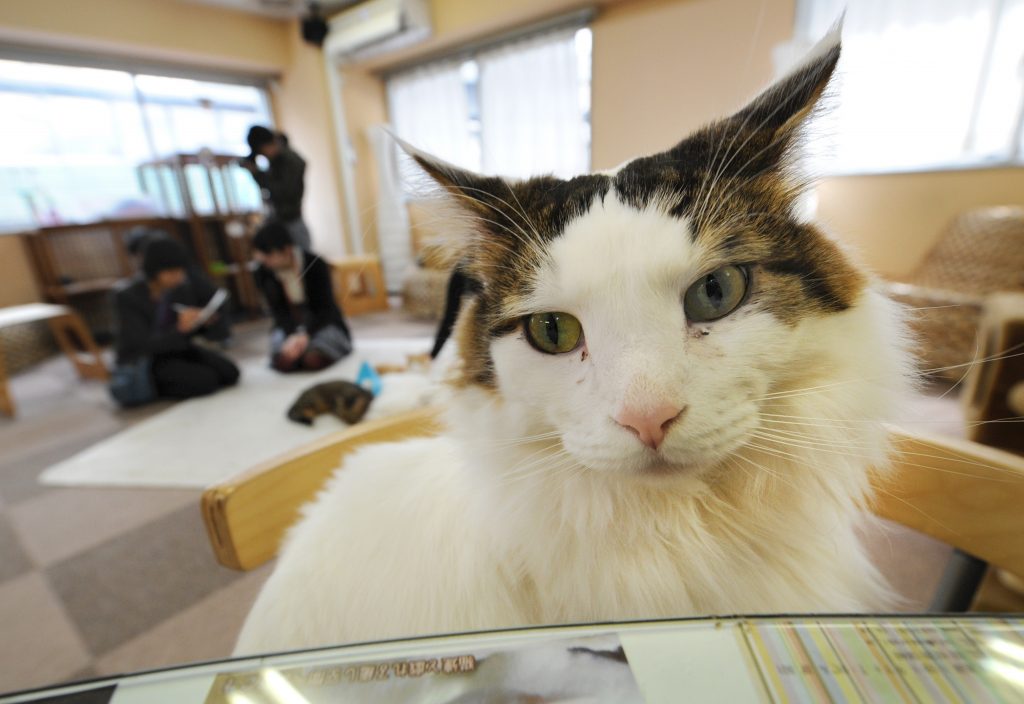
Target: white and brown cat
[(669, 392)]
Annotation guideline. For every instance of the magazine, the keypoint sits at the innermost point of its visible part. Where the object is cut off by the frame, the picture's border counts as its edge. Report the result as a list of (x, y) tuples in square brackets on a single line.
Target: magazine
[(212, 306), (589, 669)]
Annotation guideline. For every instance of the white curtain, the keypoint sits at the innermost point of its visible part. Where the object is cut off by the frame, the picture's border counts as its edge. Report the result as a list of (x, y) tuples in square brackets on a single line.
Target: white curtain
[(922, 83), (429, 108), (531, 108), (518, 110), (393, 235)]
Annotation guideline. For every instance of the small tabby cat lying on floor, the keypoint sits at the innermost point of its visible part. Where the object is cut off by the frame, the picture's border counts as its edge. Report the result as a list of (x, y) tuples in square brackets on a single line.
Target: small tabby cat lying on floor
[(669, 394), (342, 399)]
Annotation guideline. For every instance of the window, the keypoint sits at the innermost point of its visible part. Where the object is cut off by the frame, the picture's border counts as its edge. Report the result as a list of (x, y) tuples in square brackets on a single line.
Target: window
[(518, 109), (922, 85), (75, 136)]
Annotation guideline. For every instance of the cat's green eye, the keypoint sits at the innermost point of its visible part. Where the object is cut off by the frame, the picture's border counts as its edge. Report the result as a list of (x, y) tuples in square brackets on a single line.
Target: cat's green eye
[(715, 295), (553, 333)]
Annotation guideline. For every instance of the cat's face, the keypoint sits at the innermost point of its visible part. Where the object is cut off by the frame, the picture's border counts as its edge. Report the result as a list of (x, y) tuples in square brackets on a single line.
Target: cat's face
[(641, 316)]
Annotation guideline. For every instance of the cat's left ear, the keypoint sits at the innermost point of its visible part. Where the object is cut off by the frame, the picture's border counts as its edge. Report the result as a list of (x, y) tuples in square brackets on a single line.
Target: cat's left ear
[(778, 113), (486, 197)]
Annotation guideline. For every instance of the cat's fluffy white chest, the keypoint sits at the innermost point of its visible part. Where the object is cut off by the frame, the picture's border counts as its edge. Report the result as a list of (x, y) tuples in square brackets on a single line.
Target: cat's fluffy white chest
[(403, 541)]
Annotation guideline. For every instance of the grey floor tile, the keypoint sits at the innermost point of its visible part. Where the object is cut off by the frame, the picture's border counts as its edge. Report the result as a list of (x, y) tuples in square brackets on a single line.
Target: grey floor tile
[(40, 645), (912, 563), (22, 437), (51, 387), (89, 672), (394, 323), (128, 585), (206, 631), (64, 522), (13, 560), (19, 475)]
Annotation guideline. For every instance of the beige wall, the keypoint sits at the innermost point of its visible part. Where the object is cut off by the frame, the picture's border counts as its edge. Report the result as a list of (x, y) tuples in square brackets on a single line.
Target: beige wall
[(664, 67), (894, 219), (302, 109), (365, 105), (168, 30), (17, 284), (457, 22)]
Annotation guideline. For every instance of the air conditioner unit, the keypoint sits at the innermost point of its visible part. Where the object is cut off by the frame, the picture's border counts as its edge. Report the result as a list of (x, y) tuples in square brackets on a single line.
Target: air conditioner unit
[(376, 27)]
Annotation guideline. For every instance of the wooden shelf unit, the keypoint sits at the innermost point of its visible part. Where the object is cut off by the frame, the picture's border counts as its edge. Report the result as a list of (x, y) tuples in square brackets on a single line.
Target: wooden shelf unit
[(78, 265)]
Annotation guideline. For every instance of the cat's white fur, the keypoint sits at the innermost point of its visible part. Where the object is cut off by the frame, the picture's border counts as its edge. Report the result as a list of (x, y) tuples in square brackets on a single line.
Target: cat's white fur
[(485, 528)]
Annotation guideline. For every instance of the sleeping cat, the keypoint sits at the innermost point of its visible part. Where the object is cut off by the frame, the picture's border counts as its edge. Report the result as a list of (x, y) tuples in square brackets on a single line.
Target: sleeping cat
[(343, 399), (669, 392)]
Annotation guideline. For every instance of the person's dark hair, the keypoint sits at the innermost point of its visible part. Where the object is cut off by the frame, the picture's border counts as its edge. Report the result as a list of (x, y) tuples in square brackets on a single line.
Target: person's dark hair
[(258, 136), (161, 254), (272, 237), (137, 238)]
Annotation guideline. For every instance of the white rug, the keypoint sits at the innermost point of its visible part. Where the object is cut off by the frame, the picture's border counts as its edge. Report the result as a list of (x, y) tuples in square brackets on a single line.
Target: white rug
[(199, 442)]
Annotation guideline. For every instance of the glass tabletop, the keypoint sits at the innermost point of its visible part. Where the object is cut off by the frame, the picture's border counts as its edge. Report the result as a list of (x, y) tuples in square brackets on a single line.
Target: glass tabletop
[(931, 658)]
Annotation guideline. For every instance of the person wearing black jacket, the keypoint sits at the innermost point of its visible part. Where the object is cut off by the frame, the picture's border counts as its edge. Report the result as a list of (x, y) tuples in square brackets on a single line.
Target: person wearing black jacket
[(310, 332), (150, 328), (283, 183), (197, 290)]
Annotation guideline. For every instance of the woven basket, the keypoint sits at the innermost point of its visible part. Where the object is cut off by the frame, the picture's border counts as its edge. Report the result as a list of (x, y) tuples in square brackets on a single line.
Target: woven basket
[(25, 345)]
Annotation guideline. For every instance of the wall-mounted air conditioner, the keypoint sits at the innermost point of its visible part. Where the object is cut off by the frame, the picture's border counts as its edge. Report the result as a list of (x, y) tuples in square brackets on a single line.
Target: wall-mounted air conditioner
[(376, 27)]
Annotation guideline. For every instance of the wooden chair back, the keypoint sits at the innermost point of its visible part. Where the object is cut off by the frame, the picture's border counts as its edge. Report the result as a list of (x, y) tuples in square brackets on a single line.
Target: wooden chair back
[(247, 515), (967, 495)]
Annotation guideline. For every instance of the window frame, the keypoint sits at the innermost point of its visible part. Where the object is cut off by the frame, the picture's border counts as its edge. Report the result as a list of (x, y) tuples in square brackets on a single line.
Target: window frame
[(803, 12), (263, 82)]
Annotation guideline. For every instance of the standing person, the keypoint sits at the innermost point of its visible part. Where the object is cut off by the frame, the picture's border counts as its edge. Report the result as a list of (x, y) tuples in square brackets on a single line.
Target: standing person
[(156, 356), (283, 181), (310, 332)]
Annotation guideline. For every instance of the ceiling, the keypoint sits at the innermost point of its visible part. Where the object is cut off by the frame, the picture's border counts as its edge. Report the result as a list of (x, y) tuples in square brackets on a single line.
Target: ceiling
[(281, 9)]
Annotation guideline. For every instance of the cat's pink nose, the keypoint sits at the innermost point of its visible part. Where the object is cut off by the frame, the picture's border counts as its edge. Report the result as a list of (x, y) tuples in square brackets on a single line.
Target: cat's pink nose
[(650, 424)]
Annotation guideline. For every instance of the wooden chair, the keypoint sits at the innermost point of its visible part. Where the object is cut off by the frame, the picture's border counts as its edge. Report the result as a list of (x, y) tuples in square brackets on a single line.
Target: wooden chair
[(246, 516), (359, 284), (962, 493), (994, 388), (72, 336)]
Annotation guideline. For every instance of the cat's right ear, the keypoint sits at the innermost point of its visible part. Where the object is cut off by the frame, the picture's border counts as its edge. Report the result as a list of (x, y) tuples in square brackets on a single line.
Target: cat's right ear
[(765, 132), (786, 104)]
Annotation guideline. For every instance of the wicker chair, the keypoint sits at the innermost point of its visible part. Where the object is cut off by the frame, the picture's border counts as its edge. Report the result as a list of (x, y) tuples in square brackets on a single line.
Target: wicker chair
[(981, 252)]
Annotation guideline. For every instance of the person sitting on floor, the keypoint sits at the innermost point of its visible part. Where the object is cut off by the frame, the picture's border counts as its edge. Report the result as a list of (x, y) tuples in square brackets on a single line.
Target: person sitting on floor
[(154, 342), (195, 292), (309, 332)]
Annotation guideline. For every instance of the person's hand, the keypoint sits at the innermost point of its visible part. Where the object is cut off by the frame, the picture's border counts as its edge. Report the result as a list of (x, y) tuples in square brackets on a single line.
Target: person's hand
[(187, 319), (248, 165), (295, 345)]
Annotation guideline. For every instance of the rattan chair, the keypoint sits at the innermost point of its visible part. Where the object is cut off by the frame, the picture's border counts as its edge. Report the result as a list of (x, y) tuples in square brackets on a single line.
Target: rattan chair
[(980, 253)]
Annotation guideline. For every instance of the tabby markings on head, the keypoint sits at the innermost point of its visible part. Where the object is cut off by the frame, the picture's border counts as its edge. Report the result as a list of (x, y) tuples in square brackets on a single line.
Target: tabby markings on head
[(731, 185)]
